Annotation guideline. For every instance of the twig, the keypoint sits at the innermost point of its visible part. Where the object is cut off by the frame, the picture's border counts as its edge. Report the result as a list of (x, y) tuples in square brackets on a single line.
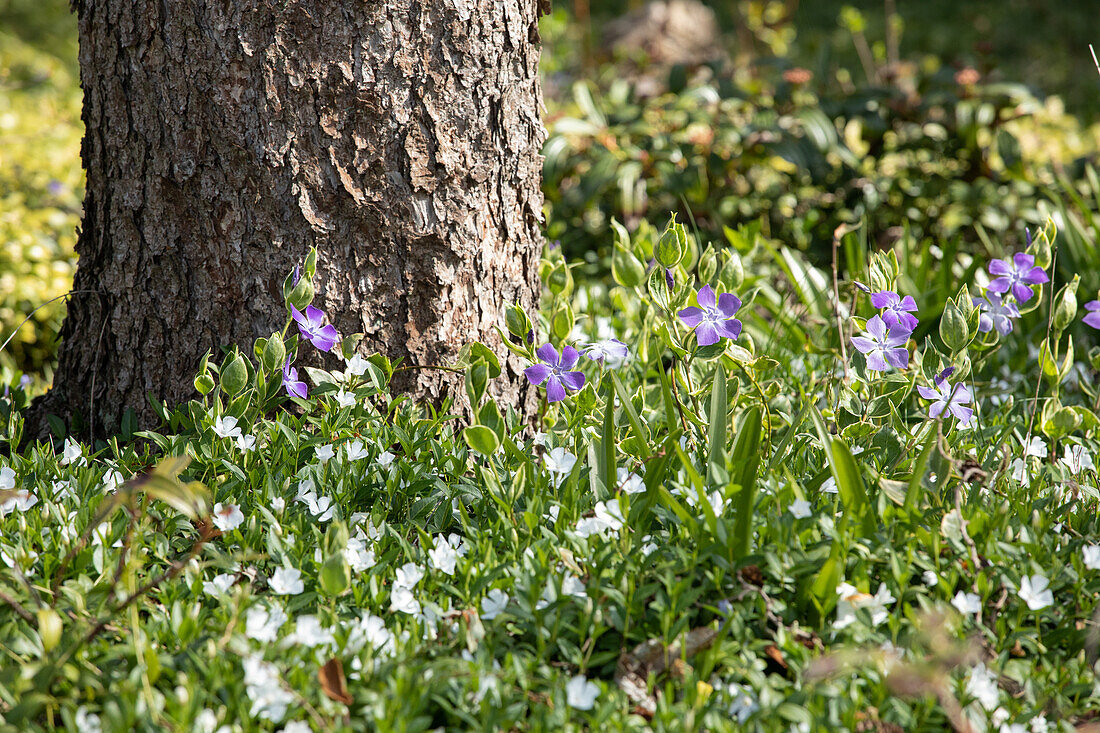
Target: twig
[(836, 307), (17, 607), (1093, 52)]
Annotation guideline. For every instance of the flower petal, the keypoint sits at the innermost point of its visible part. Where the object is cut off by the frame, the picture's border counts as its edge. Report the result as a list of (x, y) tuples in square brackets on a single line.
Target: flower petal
[(928, 393), (730, 328), (706, 334), (573, 380), (691, 316), (549, 354), (863, 344), (705, 297), (315, 315), (899, 357), (569, 357), (875, 362), (728, 304), (555, 392), (884, 299), (537, 373), (877, 328), (999, 267), (1022, 293)]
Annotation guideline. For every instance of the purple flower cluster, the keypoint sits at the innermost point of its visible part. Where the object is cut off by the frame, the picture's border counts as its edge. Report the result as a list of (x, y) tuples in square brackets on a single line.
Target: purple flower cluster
[(884, 339), (1011, 286), (883, 346), (557, 373), (311, 325)]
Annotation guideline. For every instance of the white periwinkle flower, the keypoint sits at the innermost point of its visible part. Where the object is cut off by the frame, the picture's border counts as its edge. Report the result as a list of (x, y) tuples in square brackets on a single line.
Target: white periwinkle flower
[(493, 604), (227, 516), (220, 585), (967, 603), (1091, 555), (263, 686), (560, 462), (1035, 593), (580, 693), (355, 450), (800, 509), (263, 624), (72, 454), (226, 427), (286, 582), (629, 482), (982, 686)]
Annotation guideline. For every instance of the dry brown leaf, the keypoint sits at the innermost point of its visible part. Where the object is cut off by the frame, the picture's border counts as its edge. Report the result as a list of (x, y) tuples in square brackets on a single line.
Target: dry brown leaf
[(333, 683)]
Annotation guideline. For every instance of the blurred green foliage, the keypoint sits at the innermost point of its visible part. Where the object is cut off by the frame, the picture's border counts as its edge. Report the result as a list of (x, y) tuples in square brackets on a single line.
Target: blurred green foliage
[(41, 189), (938, 154)]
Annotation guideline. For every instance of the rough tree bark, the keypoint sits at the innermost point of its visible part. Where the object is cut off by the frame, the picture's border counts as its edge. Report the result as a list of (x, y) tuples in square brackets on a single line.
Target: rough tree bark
[(399, 137)]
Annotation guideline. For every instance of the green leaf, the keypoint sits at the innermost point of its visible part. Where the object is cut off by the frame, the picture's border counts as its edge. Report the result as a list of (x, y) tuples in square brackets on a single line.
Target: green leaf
[(636, 423), (716, 430), (606, 458), (481, 439), (848, 478), (916, 490), (746, 462)]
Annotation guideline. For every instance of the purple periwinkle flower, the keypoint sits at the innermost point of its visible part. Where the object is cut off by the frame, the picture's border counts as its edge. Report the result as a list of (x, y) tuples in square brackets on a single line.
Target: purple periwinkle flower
[(995, 313), (1017, 276), (1092, 318), (554, 370), (883, 346), (714, 318), (896, 310), (670, 281), (294, 386), (313, 329), (947, 397), (861, 286), (610, 352), (296, 276)]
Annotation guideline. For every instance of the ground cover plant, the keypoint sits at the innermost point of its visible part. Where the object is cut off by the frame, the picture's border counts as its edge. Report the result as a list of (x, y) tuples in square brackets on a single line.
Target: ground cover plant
[(755, 496)]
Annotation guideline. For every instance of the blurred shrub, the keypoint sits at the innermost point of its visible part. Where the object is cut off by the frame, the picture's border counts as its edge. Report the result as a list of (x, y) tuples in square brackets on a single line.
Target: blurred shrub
[(938, 153), (41, 189)]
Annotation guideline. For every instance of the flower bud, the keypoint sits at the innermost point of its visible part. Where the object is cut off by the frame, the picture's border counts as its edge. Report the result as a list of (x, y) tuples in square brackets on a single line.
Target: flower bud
[(301, 294), (627, 269), (234, 374), (204, 384), (733, 272), (672, 246), (560, 280), (274, 353), (708, 264), (1065, 308), (953, 329), (49, 628), (335, 575), (517, 321)]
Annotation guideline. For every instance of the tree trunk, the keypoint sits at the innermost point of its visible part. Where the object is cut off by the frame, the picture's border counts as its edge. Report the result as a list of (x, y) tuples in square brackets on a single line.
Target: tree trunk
[(224, 139)]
